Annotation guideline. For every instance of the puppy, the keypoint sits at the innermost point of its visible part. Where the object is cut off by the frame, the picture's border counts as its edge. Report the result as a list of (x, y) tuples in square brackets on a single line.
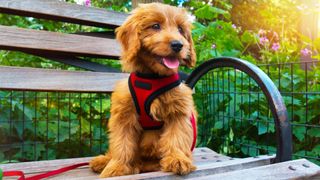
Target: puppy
[(155, 40)]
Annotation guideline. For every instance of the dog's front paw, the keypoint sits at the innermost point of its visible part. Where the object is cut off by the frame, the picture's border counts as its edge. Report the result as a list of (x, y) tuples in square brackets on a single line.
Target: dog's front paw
[(118, 169), (97, 164), (181, 166)]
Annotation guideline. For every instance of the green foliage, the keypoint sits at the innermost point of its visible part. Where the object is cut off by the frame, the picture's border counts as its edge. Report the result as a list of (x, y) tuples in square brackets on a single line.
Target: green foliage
[(235, 117), (240, 124), (52, 125), (209, 12)]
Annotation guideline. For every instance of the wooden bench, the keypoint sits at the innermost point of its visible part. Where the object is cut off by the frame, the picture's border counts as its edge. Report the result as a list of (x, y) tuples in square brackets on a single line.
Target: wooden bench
[(71, 48), (210, 165)]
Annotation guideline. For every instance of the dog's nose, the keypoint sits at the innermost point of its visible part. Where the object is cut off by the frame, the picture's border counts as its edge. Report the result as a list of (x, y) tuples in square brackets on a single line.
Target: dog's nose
[(176, 46)]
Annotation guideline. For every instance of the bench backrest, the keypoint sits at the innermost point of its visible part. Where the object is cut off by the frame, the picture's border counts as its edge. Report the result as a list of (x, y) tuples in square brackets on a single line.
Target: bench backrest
[(62, 47)]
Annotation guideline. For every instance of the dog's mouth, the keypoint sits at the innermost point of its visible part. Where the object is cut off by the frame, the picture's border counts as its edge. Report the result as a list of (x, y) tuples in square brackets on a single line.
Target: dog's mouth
[(170, 62)]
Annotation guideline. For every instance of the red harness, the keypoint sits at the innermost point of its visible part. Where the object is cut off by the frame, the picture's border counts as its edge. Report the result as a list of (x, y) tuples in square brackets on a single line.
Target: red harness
[(144, 89)]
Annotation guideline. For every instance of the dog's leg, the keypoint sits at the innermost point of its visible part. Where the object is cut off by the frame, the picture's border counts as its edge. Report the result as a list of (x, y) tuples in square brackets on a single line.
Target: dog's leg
[(175, 146), (124, 137), (98, 163)]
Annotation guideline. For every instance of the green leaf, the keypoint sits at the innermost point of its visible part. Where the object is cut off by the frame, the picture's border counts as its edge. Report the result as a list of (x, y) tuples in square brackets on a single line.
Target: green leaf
[(218, 125), (247, 37), (209, 12), (249, 151), (231, 134), (231, 53), (314, 132), (299, 132), (262, 129), (316, 150), (204, 13)]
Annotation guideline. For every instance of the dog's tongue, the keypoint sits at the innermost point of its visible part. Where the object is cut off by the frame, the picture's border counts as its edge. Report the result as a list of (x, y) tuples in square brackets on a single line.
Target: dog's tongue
[(171, 62)]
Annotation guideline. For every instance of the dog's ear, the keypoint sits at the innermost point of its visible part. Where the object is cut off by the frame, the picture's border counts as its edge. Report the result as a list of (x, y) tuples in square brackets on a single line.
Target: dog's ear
[(128, 36), (191, 61)]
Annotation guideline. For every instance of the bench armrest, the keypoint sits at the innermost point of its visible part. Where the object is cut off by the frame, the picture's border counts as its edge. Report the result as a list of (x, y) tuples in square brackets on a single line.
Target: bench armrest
[(277, 106)]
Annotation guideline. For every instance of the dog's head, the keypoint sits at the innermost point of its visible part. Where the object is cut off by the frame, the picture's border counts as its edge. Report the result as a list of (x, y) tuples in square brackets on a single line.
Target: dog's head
[(156, 38)]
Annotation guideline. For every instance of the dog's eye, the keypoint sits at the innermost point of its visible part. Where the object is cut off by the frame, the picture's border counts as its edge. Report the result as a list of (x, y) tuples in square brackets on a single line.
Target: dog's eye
[(156, 26), (180, 29)]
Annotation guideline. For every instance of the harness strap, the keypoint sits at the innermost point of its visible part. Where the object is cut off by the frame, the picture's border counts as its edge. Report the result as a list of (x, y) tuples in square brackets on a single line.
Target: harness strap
[(194, 127), (144, 89), (21, 174)]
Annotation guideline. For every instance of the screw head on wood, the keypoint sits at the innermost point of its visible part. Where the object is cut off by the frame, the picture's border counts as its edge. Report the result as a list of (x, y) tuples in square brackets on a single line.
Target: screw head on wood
[(292, 168), (305, 165)]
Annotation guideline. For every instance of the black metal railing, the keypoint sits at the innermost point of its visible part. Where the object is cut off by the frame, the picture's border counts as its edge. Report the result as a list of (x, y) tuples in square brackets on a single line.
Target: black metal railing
[(235, 116), (52, 125)]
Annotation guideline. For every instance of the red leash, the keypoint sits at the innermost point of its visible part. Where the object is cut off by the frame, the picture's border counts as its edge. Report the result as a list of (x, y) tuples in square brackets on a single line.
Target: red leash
[(194, 127), (21, 174)]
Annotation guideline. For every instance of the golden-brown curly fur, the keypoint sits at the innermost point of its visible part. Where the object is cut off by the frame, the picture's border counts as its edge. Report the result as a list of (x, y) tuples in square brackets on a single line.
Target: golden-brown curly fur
[(131, 149)]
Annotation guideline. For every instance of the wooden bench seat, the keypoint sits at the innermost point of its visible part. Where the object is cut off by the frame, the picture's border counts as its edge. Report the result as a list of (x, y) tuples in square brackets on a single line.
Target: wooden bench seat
[(204, 159), (210, 165), (296, 169), (36, 79)]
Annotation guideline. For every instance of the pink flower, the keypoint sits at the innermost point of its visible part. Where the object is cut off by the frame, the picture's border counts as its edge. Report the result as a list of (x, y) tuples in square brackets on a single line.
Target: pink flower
[(306, 52), (83, 2), (264, 40), (87, 3), (234, 26), (213, 46), (275, 46)]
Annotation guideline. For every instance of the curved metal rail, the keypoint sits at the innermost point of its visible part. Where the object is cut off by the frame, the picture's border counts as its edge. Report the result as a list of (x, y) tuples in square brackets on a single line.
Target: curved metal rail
[(277, 106)]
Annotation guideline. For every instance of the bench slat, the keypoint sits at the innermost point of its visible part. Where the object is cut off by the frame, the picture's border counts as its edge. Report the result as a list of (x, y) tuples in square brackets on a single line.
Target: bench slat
[(36, 79), (34, 41), (211, 167), (62, 11), (295, 169), (201, 157), (48, 165)]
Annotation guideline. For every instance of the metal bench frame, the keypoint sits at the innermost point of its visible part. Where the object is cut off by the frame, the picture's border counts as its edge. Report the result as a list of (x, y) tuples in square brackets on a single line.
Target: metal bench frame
[(277, 106)]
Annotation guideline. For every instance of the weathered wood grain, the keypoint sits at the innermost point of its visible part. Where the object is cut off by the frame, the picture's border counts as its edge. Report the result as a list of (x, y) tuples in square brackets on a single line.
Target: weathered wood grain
[(204, 168), (40, 166), (57, 43), (62, 11), (295, 169), (15, 78), (201, 157), (208, 168), (43, 166)]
